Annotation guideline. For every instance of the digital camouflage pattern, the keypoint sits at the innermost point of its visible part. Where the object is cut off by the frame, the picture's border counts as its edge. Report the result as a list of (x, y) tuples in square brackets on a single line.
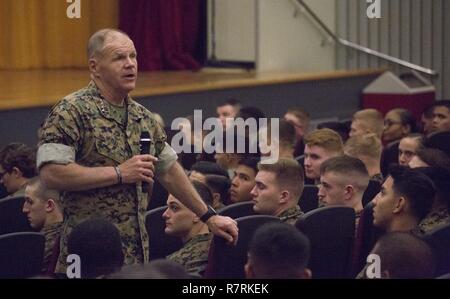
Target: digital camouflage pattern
[(193, 256), (83, 121), (291, 215), (51, 233), (434, 220)]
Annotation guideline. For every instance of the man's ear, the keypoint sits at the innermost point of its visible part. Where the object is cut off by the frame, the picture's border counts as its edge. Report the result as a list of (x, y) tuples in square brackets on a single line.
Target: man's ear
[(93, 66), (400, 205), (216, 199), (50, 206), (284, 196), (16, 172), (349, 192)]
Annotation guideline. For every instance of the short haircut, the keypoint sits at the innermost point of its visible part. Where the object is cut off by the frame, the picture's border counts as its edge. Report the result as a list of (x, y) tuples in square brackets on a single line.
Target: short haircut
[(98, 244), (250, 162), (326, 139), (417, 188), (251, 112), (372, 120), (299, 113), (440, 141), (97, 41), (204, 192), (289, 174), (368, 145), (207, 167), (279, 251), (350, 169), (287, 134), (441, 178), (219, 184), (42, 191), (418, 137), (442, 103), (405, 256), (406, 118), (232, 102), (21, 156), (434, 157)]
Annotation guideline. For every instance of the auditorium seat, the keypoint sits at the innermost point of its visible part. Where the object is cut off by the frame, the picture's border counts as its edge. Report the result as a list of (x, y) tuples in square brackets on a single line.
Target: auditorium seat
[(237, 210), (331, 232), (21, 254), (160, 244), (309, 200), (227, 261), (12, 219)]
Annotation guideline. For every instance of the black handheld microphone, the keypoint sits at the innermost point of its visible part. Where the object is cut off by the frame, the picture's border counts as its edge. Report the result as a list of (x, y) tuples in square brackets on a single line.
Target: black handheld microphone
[(145, 150)]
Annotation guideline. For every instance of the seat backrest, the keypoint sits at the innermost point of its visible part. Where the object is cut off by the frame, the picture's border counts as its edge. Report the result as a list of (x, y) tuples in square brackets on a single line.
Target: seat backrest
[(331, 233), (21, 254), (309, 200), (371, 191), (237, 210), (227, 261), (12, 219), (160, 244), (439, 240)]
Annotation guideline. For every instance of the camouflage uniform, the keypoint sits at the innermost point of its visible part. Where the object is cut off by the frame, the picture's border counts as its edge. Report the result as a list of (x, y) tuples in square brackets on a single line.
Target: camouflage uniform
[(291, 215), (51, 233), (434, 220), (86, 129), (194, 254)]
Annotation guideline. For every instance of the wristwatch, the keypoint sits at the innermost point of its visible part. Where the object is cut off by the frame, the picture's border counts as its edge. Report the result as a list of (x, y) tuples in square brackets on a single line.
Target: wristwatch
[(211, 212)]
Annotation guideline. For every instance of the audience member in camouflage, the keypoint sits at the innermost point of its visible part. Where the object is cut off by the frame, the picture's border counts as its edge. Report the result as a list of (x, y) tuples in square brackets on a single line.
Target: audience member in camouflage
[(184, 224), (291, 215), (194, 254), (278, 188), (89, 149), (43, 210), (434, 220)]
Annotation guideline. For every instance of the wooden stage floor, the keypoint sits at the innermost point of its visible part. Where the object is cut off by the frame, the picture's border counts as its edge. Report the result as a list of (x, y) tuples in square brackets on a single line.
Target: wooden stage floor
[(43, 88)]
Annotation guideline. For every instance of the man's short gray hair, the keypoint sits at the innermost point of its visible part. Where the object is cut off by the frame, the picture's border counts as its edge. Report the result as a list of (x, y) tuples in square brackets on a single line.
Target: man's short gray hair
[(97, 41)]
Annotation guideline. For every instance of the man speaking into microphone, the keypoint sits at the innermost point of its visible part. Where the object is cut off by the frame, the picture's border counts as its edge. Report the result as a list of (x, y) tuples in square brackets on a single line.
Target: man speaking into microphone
[(90, 149)]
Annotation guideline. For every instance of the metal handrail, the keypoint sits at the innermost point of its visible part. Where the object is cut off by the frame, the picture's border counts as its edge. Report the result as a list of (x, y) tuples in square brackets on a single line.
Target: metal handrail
[(360, 48)]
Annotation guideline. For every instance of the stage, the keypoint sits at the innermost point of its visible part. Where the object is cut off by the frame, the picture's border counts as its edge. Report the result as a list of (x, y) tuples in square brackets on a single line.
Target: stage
[(44, 88)]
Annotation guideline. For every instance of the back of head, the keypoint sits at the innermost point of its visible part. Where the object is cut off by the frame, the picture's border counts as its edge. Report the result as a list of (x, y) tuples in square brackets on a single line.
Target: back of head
[(440, 141), (351, 170), (250, 162), (158, 269), (326, 139), (98, 244), (278, 251), (367, 145), (406, 118), (371, 119), (207, 167), (416, 187), (218, 184), (289, 175), (251, 112), (404, 256), (204, 192), (434, 157), (287, 135), (21, 156), (440, 177)]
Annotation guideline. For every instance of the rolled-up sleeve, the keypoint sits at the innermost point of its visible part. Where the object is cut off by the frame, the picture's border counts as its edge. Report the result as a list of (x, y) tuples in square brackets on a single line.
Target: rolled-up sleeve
[(166, 158), (54, 153)]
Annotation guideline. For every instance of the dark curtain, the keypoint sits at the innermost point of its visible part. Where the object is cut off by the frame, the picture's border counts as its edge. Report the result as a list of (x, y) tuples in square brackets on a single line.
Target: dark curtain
[(165, 32)]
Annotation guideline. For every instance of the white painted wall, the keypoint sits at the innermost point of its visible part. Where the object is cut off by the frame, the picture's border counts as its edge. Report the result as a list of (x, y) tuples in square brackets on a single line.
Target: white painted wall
[(235, 29), (268, 33), (289, 43)]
